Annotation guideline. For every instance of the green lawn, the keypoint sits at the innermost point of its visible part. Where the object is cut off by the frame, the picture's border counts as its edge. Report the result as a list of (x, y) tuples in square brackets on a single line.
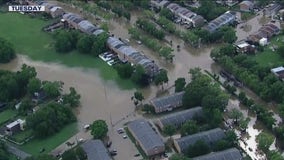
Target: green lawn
[(26, 35), (21, 136), (6, 115), (269, 57), (35, 145)]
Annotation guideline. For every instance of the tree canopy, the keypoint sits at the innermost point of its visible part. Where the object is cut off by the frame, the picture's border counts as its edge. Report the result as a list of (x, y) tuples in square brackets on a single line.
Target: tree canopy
[(99, 129), (7, 51)]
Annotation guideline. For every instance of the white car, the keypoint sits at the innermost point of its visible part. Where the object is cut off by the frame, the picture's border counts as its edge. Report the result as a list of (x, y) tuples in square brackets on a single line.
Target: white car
[(124, 136)]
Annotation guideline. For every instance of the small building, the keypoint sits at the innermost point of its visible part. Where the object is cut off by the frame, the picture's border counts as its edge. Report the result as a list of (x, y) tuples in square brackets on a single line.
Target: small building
[(272, 9), (96, 150), (72, 19), (150, 142), (246, 6), (159, 4), (244, 47), (224, 19), (167, 103), (209, 137), (228, 154), (15, 127), (263, 42), (39, 96), (179, 118), (56, 12), (266, 31), (279, 72)]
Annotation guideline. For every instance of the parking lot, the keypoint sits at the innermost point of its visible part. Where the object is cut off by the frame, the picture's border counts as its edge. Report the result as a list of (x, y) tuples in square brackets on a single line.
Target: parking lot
[(110, 58)]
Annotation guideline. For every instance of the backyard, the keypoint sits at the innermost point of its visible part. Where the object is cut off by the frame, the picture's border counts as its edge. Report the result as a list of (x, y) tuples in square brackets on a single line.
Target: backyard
[(269, 57), (26, 34), (36, 145)]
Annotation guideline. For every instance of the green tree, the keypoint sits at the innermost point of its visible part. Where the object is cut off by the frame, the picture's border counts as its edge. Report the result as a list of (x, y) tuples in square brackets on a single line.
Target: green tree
[(7, 51), (161, 78), (63, 43), (124, 70), (34, 85), (167, 13), (23, 76), (197, 149), (4, 155), (50, 119), (179, 84), (236, 115), (84, 44), (99, 45), (244, 123), (25, 106), (229, 34), (52, 89), (69, 155), (81, 154), (99, 129), (138, 96), (72, 99), (221, 145), (169, 130), (264, 141), (178, 157), (148, 108), (280, 50), (139, 76), (274, 155), (188, 128)]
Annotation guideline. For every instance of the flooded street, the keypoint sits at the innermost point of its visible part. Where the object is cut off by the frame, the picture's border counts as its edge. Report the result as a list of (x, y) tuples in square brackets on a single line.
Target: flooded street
[(102, 99)]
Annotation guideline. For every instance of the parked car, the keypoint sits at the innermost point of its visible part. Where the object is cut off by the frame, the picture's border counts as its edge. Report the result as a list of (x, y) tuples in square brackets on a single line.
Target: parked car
[(120, 130), (124, 136), (113, 153), (109, 144), (137, 155)]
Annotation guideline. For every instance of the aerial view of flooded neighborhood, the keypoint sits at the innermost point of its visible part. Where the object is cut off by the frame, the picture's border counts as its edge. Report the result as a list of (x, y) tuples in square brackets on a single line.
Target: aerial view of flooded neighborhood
[(141, 79)]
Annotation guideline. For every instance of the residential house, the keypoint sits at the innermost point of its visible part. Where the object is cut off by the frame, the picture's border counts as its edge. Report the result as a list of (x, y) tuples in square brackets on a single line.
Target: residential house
[(150, 142), (186, 15), (39, 96), (15, 127), (272, 9), (167, 103), (72, 19), (244, 47), (228, 154), (224, 19), (127, 53), (56, 12), (96, 150), (266, 31), (159, 4), (246, 6), (209, 137), (87, 27), (179, 118), (279, 72)]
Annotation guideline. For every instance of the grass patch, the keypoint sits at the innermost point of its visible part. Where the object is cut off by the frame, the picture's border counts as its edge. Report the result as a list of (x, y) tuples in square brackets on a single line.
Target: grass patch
[(35, 145), (246, 16), (269, 57), (26, 34), (6, 115), (21, 136)]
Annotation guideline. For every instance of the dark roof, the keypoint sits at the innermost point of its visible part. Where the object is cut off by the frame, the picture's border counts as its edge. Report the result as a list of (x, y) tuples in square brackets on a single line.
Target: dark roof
[(208, 137), (176, 119), (96, 150), (170, 100), (144, 133), (229, 154)]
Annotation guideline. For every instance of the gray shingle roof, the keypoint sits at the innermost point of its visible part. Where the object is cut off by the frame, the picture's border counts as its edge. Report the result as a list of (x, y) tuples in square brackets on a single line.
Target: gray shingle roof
[(144, 133), (229, 154), (96, 150), (170, 100), (133, 54), (208, 137), (223, 19), (177, 119)]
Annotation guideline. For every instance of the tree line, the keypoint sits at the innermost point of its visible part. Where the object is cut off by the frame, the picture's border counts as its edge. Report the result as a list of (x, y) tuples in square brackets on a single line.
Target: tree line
[(7, 51), (68, 40)]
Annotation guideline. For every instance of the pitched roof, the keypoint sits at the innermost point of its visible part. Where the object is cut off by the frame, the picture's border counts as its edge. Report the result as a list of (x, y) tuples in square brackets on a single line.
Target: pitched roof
[(208, 137), (170, 100), (144, 133), (229, 154), (176, 119), (96, 150), (218, 22)]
